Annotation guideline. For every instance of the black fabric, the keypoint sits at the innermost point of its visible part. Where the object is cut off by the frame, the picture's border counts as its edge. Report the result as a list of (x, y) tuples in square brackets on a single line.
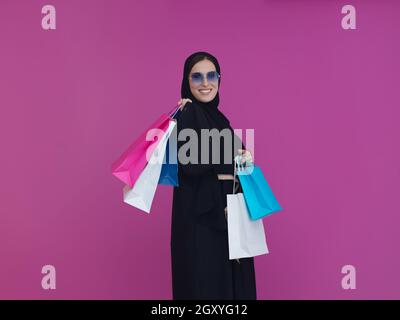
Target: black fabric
[(201, 268)]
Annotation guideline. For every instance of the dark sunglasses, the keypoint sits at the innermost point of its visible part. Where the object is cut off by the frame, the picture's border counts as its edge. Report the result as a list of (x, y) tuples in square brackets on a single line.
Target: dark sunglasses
[(198, 77)]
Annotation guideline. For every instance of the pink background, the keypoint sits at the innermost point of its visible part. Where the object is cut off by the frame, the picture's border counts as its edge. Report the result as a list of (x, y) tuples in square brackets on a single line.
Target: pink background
[(322, 101)]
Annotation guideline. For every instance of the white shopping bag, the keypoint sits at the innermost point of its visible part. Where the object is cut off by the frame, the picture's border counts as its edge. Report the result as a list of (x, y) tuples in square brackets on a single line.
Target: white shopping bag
[(142, 193), (246, 236)]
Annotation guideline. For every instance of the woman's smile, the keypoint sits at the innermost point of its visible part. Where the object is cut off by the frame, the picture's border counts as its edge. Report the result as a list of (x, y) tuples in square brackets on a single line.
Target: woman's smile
[(205, 91)]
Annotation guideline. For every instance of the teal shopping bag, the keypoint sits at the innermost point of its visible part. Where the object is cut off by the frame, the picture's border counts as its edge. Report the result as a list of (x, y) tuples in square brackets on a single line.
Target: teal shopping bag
[(259, 197)]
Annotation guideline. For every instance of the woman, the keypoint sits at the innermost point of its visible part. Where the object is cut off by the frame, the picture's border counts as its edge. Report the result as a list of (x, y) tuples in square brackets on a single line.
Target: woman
[(201, 268)]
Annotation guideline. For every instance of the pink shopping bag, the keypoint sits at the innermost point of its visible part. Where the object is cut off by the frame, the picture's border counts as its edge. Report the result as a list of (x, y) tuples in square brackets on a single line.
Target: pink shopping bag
[(131, 163)]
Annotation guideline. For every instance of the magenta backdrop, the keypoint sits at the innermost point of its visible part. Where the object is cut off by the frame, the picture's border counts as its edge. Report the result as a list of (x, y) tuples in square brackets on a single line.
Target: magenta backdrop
[(322, 101)]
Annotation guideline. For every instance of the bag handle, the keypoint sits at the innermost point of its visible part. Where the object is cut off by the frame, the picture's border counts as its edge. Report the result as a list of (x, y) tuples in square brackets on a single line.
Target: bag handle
[(236, 163), (174, 111)]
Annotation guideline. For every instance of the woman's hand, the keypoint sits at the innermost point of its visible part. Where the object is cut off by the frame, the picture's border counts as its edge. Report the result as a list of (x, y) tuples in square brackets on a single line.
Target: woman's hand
[(246, 156), (182, 103)]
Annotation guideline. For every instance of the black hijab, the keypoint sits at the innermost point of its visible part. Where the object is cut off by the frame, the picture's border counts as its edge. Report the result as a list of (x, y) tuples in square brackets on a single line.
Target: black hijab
[(210, 109), (208, 114)]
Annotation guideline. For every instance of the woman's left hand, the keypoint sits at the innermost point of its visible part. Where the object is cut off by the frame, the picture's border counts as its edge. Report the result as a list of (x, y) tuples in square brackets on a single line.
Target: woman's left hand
[(246, 156)]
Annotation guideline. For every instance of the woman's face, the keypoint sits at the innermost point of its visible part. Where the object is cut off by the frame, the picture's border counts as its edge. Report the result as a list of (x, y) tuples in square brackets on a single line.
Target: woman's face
[(206, 90)]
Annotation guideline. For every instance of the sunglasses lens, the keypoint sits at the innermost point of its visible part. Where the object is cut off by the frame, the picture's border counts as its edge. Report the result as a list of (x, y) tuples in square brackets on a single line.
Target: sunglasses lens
[(197, 77), (212, 76)]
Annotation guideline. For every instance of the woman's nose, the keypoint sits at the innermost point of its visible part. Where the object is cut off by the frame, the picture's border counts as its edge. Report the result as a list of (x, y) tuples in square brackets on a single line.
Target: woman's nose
[(205, 82)]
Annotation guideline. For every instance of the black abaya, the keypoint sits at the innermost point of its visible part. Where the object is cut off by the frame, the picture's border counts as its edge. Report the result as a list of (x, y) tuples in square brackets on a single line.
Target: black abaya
[(201, 268)]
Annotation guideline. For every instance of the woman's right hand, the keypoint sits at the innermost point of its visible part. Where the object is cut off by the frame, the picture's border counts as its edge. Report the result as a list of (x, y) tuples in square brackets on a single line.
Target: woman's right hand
[(182, 102)]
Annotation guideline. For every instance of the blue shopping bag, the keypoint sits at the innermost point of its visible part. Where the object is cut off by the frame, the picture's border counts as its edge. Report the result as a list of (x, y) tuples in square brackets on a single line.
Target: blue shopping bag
[(169, 169), (259, 198)]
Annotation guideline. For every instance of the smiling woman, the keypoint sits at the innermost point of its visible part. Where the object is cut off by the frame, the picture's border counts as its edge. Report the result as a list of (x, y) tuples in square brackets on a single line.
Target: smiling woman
[(201, 268), (203, 80)]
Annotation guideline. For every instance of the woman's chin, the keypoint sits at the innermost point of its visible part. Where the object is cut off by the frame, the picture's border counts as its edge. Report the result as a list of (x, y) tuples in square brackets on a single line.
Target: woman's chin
[(205, 99)]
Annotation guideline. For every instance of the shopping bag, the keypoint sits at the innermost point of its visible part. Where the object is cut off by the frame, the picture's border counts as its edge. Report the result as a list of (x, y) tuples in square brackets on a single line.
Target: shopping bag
[(131, 163), (246, 237), (169, 170), (259, 197), (142, 193)]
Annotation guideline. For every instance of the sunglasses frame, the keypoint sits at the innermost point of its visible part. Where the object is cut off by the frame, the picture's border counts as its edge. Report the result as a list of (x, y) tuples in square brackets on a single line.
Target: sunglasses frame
[(204, 75)]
